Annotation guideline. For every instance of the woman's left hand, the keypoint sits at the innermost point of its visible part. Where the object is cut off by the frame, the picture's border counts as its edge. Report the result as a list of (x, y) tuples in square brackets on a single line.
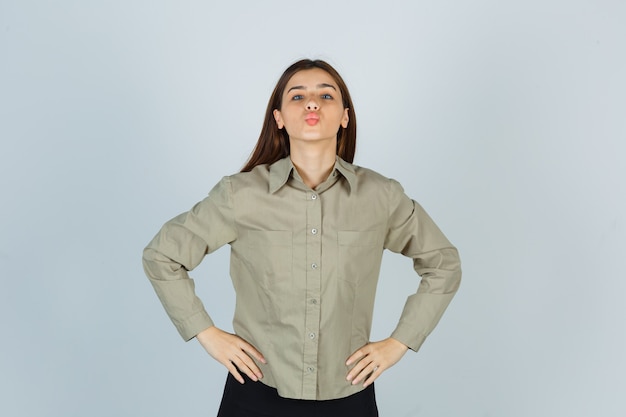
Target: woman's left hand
[(373, 359)]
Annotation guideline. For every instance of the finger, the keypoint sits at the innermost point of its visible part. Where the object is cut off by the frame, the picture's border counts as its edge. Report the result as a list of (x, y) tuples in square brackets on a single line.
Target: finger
[(251, 350), (355, 373), (356, 356), (376, 372), (248, 365), (372, 377), (234, 372), (365, 372), (245, 368)]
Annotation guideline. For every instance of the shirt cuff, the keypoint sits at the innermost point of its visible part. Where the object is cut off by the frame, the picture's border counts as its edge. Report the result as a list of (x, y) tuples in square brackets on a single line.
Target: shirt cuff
[(408, 337), (193, 325)]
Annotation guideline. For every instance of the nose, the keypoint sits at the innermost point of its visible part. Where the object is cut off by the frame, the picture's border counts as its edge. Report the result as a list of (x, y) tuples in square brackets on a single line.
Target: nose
[(312, 105)]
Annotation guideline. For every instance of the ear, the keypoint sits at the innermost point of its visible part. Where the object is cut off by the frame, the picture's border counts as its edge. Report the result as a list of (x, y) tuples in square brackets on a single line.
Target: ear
[(345, 119), (279, 119)]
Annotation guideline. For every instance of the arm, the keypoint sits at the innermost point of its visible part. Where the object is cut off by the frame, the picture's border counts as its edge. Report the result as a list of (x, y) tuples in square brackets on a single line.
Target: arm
[(413, 233), (179, 247)]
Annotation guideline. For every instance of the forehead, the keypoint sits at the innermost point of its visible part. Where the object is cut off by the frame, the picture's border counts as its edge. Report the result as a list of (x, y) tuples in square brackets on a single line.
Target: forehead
[(310, 78)]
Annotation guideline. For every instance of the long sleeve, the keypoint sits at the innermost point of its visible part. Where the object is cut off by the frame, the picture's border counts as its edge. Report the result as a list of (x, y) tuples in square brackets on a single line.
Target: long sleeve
[(305, 267), (179, 247), (414, 234)]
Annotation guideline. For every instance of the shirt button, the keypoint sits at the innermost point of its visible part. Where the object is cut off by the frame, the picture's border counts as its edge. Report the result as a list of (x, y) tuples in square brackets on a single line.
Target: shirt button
[(314, 266), (310, 369), (314, 197), (314, 231), (311, 336), (314, 301)]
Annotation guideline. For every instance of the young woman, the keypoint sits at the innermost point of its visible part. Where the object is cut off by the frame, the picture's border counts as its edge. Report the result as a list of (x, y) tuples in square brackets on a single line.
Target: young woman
[(307, 230)]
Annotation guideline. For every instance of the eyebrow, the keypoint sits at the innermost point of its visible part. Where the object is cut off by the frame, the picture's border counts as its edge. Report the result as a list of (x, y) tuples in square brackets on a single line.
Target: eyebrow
[(322, 85)]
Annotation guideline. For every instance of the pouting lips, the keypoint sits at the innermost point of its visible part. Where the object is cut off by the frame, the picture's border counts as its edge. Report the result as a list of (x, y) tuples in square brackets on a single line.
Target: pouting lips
[(312, 119)]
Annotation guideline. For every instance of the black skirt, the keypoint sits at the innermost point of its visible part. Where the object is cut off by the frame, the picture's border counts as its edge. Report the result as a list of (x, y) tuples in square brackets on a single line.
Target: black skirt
[(255, 399)]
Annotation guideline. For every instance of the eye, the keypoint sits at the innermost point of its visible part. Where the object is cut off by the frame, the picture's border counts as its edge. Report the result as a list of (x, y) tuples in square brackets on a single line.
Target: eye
[(327, 97), (297, 97)]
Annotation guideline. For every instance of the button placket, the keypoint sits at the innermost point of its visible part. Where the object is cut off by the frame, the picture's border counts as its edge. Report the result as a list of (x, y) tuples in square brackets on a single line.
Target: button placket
[(313, 291)]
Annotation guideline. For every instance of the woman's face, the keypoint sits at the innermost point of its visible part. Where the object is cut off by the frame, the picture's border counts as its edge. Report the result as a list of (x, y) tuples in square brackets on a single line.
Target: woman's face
[(312, 107)]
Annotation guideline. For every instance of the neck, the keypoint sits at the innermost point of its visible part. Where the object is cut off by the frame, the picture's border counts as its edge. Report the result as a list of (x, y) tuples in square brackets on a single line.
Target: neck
[(314, 163)]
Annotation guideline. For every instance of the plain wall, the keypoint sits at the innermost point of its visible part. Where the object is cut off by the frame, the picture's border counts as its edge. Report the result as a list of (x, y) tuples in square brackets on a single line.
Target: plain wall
[(505, 120)]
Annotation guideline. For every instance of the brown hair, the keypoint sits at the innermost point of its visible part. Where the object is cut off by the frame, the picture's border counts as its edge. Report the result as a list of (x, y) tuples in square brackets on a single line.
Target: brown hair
[(273, 143)]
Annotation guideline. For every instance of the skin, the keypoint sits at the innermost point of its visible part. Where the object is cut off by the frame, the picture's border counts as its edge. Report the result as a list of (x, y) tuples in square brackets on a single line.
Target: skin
[(309, 94), (312, 148)]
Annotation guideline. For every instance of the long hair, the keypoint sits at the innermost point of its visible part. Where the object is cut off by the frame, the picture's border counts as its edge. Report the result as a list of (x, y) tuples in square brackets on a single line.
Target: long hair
[(273, 143)]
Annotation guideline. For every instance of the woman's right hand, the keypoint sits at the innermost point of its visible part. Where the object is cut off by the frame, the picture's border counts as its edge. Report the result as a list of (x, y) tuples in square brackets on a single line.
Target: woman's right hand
[(233, 352)]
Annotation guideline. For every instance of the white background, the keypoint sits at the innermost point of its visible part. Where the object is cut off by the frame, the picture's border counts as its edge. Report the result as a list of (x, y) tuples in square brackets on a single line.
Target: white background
[(506, 120)]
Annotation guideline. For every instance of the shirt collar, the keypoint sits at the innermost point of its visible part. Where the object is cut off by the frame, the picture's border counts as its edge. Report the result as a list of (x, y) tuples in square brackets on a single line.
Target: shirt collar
[(281, 170)]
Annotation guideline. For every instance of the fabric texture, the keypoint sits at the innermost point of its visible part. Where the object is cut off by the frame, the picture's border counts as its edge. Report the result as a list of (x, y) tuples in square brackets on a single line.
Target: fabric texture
[(305, 265)]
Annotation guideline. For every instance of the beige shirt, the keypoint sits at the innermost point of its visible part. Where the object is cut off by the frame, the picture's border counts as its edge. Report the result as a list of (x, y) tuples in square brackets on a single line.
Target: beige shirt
[(305, 265)]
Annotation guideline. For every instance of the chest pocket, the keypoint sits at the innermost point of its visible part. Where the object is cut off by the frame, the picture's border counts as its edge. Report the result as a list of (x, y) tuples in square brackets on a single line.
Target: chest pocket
[(271, 254), (360, 254)]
